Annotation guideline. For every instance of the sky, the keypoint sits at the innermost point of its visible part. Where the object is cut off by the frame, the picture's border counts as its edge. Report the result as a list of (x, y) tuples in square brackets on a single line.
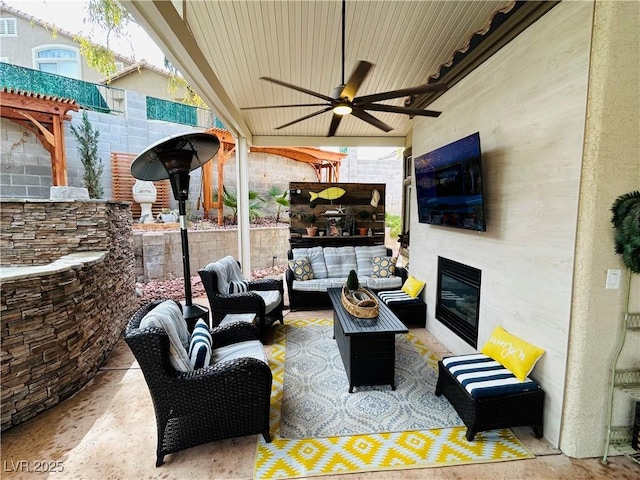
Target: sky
[(69, 15)]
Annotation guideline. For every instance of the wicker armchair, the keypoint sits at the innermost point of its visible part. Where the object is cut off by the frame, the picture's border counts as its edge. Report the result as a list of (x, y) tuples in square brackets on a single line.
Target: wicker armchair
[(222, 302), (224, 400)]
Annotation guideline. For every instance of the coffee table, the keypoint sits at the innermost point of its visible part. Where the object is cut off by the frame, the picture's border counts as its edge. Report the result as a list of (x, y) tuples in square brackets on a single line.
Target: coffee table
[(367, 346)]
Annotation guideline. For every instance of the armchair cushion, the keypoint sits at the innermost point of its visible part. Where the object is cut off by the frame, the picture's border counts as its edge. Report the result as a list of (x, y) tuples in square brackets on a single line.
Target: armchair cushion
[(200, 346), (168, 317), (251, 348), (272, 299)]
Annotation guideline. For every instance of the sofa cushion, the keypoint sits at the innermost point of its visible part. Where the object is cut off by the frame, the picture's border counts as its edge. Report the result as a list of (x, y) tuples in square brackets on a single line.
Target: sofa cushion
[(316, 257), (387, 283), (364, 258), (340, 261), (383, 267), (318, 285), (301, 268), (168, 317), (200, 346)]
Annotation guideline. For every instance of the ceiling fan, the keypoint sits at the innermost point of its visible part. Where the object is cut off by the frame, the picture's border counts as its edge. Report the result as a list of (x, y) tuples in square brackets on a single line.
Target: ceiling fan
[(344, 101)]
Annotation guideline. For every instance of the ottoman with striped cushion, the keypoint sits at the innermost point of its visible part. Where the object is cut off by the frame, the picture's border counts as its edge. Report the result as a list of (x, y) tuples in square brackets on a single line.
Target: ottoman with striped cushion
[(487, 396), (408, 309)]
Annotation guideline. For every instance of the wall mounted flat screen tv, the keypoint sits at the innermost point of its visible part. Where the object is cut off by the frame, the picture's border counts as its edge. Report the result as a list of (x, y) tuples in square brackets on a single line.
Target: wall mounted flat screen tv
[(449, 185)]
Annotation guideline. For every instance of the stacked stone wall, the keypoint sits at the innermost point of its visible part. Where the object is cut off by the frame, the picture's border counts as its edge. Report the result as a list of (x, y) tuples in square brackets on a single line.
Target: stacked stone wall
[(60, 319)]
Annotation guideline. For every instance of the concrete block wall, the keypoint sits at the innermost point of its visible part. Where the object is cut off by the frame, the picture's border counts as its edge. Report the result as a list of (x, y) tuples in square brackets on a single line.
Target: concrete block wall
[(158, 255), (377, 166)]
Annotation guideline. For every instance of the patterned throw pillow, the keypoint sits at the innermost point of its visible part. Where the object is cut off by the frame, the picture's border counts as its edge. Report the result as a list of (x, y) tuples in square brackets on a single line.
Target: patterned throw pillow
[(200, 346), (383, 267), (301, 268), (238, 287)]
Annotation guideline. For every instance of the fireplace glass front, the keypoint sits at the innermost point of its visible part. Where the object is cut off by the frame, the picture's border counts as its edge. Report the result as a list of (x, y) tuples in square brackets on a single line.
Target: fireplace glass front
[(458, 299)]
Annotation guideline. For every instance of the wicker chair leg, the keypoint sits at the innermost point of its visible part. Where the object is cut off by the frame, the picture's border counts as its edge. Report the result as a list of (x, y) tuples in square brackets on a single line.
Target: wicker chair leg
[(267, 436), (470, 434), (538, 431), (159, 460)]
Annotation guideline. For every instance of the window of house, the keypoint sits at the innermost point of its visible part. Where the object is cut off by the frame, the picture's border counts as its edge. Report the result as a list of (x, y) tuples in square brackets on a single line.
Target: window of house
[(8, 27), (119, 66), (58, 59)]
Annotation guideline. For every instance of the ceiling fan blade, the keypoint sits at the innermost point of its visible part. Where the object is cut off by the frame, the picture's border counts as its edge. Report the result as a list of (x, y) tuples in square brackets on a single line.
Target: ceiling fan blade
[(286, 106), (362, 115), (299, 89), (405, 92), (355, 80), (407, 111), (335, 122), (304, 118)]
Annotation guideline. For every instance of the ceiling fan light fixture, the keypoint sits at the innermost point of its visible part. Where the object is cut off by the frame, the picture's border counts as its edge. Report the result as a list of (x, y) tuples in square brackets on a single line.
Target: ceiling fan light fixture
[(342, 109)]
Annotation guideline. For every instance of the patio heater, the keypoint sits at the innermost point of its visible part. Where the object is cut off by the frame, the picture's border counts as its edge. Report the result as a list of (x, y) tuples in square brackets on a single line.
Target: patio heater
[(174, 157)]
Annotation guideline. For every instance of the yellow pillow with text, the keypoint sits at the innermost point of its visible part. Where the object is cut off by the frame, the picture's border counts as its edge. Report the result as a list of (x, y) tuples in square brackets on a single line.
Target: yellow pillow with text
[(515, 354), (412, 286)]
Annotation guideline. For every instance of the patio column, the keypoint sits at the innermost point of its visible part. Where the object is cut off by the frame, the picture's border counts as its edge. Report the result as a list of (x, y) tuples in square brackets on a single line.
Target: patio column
[(242, 182)]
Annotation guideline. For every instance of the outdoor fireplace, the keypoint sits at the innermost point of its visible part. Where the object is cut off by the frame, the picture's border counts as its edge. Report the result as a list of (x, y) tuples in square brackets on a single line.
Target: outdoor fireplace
[(458, 299)]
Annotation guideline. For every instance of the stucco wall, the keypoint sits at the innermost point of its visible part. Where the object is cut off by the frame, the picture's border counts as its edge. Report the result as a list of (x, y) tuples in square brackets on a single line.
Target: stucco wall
[(611, 167), (528, 103)]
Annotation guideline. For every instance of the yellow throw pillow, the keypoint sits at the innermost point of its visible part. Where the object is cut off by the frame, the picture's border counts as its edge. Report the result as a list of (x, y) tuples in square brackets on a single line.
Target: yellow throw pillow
[(412, 286), (515, 354)]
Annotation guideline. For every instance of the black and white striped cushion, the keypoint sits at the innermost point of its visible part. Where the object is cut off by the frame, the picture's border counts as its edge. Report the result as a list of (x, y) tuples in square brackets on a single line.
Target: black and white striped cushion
[(395, 297), (238, 287), (482, 376)]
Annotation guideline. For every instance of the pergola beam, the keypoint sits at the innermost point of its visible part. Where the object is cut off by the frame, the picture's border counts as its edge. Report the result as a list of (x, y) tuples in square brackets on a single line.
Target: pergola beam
[(44, 116)]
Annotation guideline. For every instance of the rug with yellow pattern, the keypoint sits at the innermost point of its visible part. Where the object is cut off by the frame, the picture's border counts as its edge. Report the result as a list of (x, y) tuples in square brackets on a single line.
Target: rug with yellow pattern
[(293, 458)]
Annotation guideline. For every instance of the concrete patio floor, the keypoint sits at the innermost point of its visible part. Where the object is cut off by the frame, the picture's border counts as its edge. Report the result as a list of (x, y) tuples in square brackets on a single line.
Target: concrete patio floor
[(108, 431)]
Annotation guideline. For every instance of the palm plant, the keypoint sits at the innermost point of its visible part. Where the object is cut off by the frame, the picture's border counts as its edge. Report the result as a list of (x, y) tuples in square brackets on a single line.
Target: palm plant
[(279, 197), (626, 220), (230, 200)]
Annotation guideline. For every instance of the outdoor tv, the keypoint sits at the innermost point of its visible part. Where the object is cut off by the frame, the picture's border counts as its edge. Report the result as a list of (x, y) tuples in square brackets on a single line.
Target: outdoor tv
[(449, 185)]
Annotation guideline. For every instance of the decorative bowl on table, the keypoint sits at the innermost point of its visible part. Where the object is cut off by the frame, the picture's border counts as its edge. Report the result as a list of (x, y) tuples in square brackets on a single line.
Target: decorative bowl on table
[(360, 303)]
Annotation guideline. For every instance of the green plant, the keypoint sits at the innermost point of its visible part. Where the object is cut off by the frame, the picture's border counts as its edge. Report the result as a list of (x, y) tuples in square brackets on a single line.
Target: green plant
[(230, 200), (394, 222), (311, 218), (364, 215), (87, 139), (279, 197), (352, 281), (626, 221)]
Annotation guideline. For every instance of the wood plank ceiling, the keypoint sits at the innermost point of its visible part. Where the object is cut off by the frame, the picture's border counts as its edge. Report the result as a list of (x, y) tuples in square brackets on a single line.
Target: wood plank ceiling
[(224, 47)]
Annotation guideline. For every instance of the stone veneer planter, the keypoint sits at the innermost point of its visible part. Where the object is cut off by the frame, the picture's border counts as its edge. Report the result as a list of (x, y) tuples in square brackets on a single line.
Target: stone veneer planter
[(67, 292)]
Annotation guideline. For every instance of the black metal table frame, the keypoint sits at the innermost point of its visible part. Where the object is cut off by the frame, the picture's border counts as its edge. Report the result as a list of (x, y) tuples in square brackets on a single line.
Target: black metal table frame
[(367, 346)]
